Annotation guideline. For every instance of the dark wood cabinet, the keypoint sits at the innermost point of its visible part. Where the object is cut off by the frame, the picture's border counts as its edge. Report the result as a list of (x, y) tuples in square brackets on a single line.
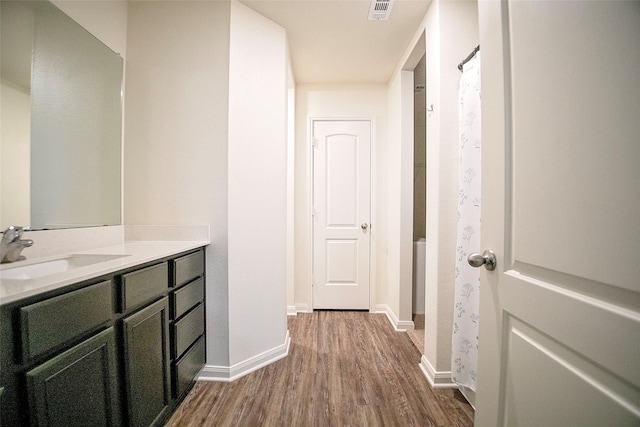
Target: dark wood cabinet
[(56, 321), (187, 367), (142, 286), (78, 387), (187, 321), (146, 360), (120, 349)]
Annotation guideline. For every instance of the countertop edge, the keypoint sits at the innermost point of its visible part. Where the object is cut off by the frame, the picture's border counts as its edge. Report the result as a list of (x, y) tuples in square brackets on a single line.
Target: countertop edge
[(135, 253)]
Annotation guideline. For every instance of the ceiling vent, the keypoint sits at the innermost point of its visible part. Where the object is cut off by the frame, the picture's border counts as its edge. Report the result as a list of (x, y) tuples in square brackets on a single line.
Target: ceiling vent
[(380, 10)]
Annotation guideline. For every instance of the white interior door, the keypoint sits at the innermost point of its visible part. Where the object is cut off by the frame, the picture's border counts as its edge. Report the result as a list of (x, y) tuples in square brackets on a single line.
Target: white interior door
[(560, 315), (342, 212)]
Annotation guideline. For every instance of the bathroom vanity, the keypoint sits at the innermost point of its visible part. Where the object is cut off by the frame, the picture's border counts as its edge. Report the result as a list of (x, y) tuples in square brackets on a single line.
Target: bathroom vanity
[(118, 342)]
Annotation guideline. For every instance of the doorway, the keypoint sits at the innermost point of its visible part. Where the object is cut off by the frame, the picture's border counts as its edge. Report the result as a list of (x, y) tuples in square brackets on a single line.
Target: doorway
[(341, 214), (419, 201)]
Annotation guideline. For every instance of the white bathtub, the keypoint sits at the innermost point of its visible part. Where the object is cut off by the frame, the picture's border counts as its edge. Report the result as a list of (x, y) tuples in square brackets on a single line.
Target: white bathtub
[(419, 260)]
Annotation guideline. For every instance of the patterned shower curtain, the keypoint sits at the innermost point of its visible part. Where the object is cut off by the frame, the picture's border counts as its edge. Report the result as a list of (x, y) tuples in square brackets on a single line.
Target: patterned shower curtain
[(464, 348)]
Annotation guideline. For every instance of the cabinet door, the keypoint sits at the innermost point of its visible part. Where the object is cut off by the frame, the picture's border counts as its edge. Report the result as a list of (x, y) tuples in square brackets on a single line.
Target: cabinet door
[(78, 387), (146, 352)]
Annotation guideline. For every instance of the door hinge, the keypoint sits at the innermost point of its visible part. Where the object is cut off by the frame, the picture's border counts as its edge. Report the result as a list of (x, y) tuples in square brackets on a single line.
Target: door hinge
[(314, 142), (313, 212)]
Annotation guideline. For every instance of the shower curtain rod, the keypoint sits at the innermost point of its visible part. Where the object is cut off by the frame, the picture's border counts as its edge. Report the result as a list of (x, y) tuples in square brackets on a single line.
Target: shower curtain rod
[(468, 58)]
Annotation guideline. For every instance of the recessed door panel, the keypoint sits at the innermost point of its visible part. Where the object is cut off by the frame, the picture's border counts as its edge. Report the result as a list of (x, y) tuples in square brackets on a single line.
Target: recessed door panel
[(342, 262), (341, 171), (591, 394)]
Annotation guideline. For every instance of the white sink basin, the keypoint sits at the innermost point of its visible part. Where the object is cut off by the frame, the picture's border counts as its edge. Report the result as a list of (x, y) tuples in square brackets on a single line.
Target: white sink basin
[(46, 268)]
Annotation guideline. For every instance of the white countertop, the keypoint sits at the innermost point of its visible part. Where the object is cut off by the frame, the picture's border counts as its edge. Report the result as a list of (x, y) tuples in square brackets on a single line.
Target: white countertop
[(135, 253)]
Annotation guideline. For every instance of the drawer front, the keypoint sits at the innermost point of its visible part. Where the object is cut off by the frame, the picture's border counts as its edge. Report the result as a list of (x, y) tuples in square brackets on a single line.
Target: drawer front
[(188, 267), (186, 297), (144, 285), (188, 367), (187, 330), (52, 322)]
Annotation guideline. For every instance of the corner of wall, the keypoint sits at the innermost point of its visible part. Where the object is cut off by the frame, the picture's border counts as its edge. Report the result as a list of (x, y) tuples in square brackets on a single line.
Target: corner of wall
[(398, 325), (437, 379), (444, 43), (258, 100), (163, 108), (239, 370)]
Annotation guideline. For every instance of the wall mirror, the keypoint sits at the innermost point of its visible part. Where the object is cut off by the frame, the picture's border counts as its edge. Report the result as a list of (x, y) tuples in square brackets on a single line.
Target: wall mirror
[(61, 115)]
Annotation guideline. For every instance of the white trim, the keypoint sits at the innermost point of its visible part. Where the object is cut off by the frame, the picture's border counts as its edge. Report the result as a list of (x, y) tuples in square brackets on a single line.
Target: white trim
[(374, 220), (232, 373), (303, 308), (436, 379), (398, 325), (291, 310), (310, 219), (468, 394)]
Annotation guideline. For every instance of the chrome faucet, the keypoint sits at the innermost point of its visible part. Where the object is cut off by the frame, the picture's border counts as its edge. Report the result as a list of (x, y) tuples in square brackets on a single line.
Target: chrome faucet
[(12, 244)]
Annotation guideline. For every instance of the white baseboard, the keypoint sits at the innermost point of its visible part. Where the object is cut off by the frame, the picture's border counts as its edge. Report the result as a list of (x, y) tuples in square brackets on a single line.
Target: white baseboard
[(303, 308), (292, 310), (468, 394), (232, 373), (398, 325), (436, 379)]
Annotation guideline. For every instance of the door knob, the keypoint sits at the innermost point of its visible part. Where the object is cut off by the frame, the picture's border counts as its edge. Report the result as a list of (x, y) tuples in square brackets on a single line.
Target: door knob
[(488, 259), (364, 226)]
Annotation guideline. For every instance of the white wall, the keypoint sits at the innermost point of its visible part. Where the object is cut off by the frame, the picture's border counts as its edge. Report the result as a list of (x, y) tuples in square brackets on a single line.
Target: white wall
[(105, 19), (400, 202), (15, 152), (291, 201), (451, 29), (176, 120), (419, 150), (206, 143), (338, 100), (258, 95)]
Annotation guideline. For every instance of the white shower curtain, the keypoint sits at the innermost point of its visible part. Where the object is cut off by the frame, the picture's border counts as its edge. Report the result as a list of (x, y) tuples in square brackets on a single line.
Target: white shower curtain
[(464, 348)]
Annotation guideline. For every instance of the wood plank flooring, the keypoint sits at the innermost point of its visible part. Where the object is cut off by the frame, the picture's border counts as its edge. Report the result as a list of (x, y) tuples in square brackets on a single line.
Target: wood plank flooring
[(417, 335), (343, 369)]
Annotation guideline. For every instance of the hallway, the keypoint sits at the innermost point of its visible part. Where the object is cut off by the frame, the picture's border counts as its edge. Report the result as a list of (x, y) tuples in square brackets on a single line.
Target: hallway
[(343, 369)]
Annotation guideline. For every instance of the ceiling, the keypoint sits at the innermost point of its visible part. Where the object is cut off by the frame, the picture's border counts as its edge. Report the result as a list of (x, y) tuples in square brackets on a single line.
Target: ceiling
[(332, 41)]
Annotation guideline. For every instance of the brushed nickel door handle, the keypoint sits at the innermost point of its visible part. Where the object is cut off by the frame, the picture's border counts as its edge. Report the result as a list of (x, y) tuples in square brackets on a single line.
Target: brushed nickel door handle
[(488, 259)]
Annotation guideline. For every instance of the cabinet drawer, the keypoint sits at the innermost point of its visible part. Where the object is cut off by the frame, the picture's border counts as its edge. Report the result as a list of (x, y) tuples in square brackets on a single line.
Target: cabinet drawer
[(188, 367), (188, 267), (52, 322), (186, 297), (187, 330), (143, 285)]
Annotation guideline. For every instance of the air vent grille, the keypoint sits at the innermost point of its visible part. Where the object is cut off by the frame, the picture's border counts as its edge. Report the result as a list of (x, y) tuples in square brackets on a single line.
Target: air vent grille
[(380, 10)]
